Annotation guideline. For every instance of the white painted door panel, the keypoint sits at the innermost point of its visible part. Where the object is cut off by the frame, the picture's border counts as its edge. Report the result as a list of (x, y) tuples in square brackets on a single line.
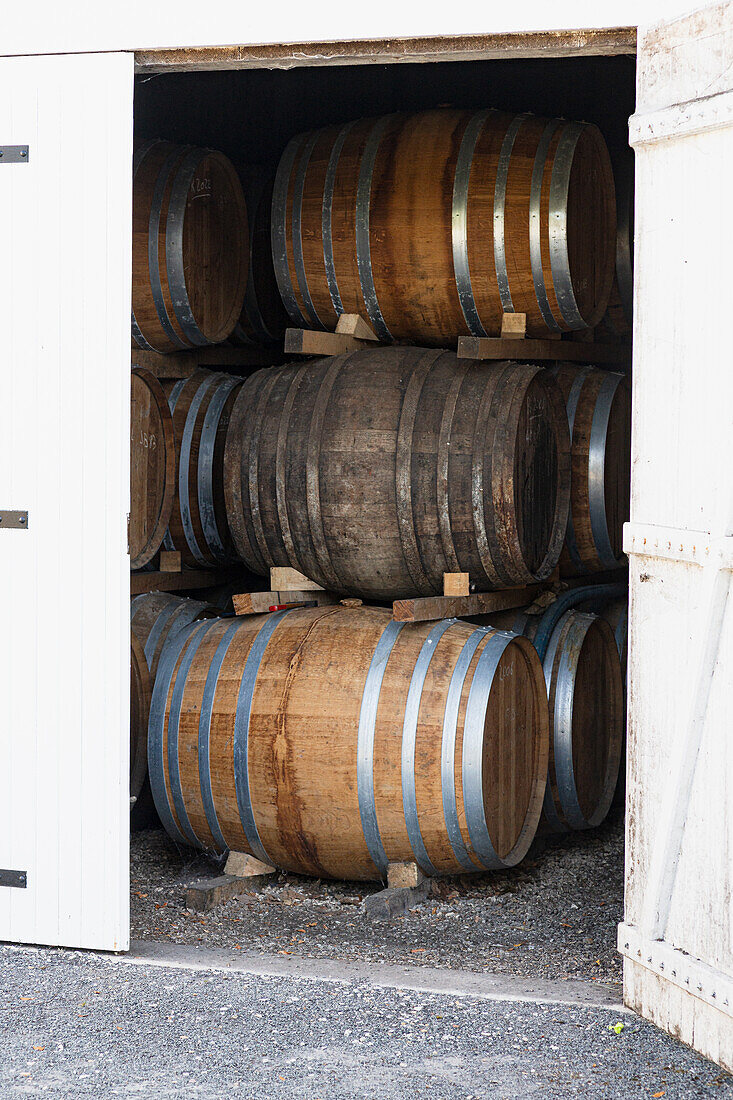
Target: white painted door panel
[(64, 456)]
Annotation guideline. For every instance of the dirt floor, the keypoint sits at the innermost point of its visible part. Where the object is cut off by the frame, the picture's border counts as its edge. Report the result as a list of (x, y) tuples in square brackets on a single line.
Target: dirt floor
[(555, 916)]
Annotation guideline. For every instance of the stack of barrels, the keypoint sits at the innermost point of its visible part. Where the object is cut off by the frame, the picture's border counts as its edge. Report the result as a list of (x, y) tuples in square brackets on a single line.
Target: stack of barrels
[(333, 740)]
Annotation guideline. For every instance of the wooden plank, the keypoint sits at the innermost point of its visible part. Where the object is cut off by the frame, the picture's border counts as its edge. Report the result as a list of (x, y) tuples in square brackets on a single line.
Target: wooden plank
[(353, 324), (175, 582), (427, 608), (182, 364), (305, 341), (456, 584), (258, 603), (169, 561), (492, 347), (285, 579)]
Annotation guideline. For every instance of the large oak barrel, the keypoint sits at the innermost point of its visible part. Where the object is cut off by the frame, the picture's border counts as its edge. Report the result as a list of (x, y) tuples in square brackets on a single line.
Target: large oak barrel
[(201, 406), (152, 467), (140, 693), (586, 701), (263, 319), (599, 417), (157, 616), (189, 247), (376, 472), (435, 224), (330, 741)]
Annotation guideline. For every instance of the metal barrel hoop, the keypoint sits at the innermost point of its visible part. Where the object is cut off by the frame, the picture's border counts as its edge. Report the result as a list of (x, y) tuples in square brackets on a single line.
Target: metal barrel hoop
[(278, 235), (459, 222), (363, 228), (448, 748), (183, 469), (297, 230), (535, 226), (167, 617), (253, 466), (571, 541), (174, 716), (473, 745), (461, 370), (403, 473), (172, 402), (409, 743), (502, 173), (597, 469), (185, 173), (156, 729), (156, 286), (207, 706), (207, 444), (327, 218), (365, 745), (493, 567), (562, 717), (241, 733), (558, 224), (138, 157)]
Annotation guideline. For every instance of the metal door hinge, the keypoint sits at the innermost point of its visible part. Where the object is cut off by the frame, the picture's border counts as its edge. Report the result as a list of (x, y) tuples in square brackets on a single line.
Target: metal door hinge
[(13, 154), (17, 521), (16, 879)]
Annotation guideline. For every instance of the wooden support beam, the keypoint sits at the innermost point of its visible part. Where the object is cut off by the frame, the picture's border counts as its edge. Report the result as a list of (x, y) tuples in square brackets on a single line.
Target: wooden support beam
[(258, 603), (428, 608), (306, 341), (182, 364), (177, 582), (492, 347)]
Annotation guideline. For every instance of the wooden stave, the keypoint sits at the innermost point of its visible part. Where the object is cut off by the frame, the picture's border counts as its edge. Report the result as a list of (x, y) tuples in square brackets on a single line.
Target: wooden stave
[(264, 472), (154, 541), (589, 391), (288, 668), (324, 281), (163, 317), (140, 696), (198, 526)]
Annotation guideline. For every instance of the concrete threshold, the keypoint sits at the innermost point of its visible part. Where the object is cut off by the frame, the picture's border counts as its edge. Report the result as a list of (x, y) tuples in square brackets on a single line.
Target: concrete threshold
[(421, 979)]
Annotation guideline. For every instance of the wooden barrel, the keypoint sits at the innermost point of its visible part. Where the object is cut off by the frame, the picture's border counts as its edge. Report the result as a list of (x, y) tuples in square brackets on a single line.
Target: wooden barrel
[(140, 693), (156, 616), (201, 406), (376, 472), (189, 247), (152, 467), (599, 417), (586, 701), (436, 224), (263, 319), (330, 741), (618, 318)]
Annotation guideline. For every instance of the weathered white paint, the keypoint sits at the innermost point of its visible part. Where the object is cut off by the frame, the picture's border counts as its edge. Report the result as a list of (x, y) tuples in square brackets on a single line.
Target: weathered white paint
[(64, 455), (679, 870)]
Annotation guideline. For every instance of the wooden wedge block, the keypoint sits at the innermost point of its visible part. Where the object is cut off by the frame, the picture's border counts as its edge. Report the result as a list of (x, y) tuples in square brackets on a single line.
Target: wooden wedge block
[(514, 326), (404, 875), (353, 324), (284, 579), (243, 865), (170, 561), (306, 341), (455, 584)]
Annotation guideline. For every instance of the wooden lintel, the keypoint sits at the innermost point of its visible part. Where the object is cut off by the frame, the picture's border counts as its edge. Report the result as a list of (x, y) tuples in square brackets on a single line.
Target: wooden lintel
[(307, 341), (176, 582), (496, 347), (182, 364), (428, 608)]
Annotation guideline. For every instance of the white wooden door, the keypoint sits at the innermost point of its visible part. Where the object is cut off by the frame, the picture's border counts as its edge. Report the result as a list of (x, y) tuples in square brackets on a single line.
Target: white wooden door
[(677, 938), (65, 215)]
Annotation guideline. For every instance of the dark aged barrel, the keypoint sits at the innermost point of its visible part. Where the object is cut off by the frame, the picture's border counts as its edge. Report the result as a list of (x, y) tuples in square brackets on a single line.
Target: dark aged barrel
[(618, 318), (376, 472), (586, 701), (599, 416), (435, 224), (140, 692), (201, 406), (330, 741), (189, 247), (156, 616), (152, 467), (263, 319)]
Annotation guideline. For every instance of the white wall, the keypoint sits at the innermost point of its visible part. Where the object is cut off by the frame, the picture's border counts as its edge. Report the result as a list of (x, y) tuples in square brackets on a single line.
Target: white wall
[(64, 456)]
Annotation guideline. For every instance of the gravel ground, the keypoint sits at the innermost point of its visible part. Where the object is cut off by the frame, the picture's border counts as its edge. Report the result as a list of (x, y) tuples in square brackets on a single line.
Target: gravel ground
[(554, 916), (78, 1025)]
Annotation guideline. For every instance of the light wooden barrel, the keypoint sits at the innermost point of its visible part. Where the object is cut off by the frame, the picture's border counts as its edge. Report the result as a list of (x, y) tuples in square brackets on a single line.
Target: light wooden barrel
[(376, 472), (330, 741), (586, 701), (140, 693), (433, 225), (189, 247), (156, 616), (152, 467), (263, 319), (201, 407), (599, 417)]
